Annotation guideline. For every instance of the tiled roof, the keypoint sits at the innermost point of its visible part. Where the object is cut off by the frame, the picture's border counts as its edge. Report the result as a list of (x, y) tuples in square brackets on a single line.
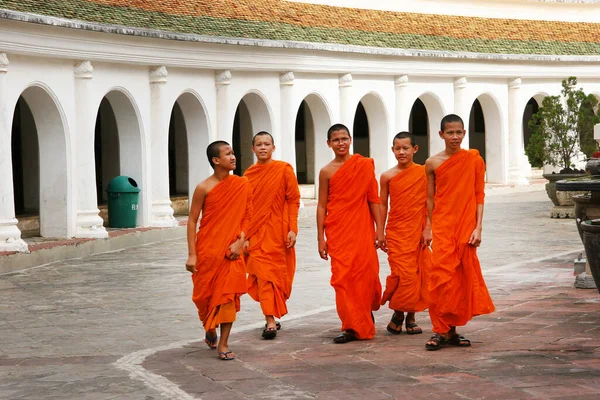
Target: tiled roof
[(292, 21)]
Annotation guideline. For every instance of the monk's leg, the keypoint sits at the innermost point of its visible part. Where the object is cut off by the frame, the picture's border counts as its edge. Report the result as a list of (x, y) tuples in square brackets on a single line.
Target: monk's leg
[(226, 317), (395, 325), (411, 326)]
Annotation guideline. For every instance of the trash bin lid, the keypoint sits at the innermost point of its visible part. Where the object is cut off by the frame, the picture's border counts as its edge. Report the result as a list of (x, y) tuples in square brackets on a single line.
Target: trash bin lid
[(122, 184)]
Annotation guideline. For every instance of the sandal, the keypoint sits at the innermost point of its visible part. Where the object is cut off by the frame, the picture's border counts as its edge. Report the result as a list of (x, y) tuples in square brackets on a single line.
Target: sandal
[(438, 341), (413, 329), (269, 333), (211, 341), (398, 323), (277, 324), (345, 337), (459, 341), (224, 356)]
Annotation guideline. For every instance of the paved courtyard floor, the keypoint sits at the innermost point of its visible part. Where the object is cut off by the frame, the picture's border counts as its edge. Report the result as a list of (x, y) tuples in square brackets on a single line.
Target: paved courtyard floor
[(121, 325)]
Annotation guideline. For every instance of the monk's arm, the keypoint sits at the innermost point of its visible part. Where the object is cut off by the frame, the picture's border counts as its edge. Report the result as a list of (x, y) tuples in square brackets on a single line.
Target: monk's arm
[(292, 196), (384, 199), (197, 204), (429, 171), (322, 212)]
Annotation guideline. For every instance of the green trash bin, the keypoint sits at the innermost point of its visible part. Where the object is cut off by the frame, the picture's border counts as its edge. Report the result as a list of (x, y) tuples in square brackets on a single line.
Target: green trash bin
[(123, 194)]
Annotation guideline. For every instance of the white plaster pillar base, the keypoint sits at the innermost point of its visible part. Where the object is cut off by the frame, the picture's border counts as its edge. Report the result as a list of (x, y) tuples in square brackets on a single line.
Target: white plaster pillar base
[(287, 146), (88, 223), (161, 212), (10, 235), (516, 172), (585, 281)]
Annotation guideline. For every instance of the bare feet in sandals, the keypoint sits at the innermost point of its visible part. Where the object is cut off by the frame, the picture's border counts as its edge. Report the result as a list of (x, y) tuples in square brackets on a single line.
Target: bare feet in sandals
[(395, 325), (411, 327), (450, 338)]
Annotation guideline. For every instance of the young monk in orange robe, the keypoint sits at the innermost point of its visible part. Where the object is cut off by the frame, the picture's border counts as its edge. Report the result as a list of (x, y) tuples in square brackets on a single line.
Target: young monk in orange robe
[(405, 185), (218, 271), (455, 193), (347, 213), (271, 261)]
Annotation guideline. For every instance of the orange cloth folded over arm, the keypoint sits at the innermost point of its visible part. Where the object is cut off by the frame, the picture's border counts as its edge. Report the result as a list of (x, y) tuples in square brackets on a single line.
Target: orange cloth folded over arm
[(218, 281)]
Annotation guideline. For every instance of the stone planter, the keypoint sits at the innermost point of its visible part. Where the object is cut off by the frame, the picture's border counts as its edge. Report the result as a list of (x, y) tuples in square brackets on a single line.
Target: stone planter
[(592, 167), (591, 242), (562, 200)]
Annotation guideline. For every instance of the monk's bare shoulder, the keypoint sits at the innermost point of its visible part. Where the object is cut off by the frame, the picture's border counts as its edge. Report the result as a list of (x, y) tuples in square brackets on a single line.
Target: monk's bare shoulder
[(435, 161), (328, 170), (206, 185), (390, 173)]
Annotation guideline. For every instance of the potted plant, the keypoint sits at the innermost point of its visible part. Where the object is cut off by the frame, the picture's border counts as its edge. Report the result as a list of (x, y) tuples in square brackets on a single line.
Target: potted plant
[(561, 130)]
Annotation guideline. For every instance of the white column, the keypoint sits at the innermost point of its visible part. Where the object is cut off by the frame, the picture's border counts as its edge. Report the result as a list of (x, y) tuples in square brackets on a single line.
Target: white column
[(10, 235), (347, 106), (162, 212), (401, 117), (224, 120), (287, 145), (516, 173), (88, 223), (461, 108)]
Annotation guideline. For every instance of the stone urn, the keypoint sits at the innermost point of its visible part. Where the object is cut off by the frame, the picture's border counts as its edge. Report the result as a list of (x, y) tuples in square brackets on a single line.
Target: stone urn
[(591, 242), (592, 167), (562, 200)]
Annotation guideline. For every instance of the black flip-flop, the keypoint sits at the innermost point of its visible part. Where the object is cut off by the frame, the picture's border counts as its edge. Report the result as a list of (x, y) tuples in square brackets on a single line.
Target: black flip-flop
[(413, 325), (211, 341), (345, 338), (398, 323), (226, 358)]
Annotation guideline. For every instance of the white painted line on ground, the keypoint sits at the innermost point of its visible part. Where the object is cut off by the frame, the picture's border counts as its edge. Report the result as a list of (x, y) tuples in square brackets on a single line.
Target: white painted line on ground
[(535, 260), (132, 363)]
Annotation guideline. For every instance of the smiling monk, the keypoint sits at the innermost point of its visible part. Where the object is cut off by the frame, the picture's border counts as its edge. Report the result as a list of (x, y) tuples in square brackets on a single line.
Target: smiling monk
[(271, 262), (349, 230), (455, 193), (218, 271)]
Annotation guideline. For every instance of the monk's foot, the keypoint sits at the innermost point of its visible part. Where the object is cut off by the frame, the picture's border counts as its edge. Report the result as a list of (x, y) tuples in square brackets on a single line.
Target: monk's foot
[(211, 339), (225, 354), (271, 323), (459, 341), (270, 331), (437, 341), (412, 328), (395, 325), (345, 337)]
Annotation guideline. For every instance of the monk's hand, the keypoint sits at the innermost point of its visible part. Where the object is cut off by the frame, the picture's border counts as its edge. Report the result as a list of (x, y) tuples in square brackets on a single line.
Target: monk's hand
[(246, 247), (426, 237), (323, 249), (235, 249), (383, 244), (475, 239), (291, 239), (380, 241), (190, 264)]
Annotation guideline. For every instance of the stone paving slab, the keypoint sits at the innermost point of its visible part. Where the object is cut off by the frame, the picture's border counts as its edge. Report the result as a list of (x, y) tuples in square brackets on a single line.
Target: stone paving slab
[(543, 342)]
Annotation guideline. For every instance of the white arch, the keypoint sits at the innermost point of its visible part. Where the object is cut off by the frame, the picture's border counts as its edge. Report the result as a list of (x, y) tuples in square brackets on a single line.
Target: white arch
[(496, 152), (321, 120), (55, 190), (198, 134), (255, 115), (379, 130), (132, 145), (435, 113)]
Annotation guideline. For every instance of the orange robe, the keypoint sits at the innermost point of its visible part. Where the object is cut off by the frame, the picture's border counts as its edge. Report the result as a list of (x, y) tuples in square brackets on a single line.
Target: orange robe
[(406, 288), (271, 265), (458, 291), (218, 281), (350, 233)]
